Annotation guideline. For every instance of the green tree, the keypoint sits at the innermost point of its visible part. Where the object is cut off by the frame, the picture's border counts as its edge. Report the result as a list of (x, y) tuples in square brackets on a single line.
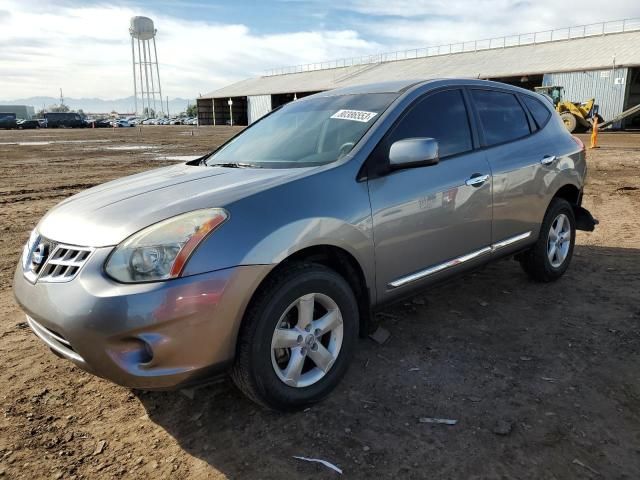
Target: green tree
[(62, 108), (192, 110)]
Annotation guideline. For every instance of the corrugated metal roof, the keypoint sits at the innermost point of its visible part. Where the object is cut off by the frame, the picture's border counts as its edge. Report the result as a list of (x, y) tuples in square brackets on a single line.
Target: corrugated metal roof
[(579, 54)]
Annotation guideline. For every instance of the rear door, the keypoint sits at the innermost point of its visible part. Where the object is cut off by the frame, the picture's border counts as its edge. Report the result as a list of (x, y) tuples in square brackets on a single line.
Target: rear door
[(517, 161), (430, 221)]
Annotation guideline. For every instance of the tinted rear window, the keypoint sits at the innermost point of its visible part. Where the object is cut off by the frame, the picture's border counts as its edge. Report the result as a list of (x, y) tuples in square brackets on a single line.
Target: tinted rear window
[(538, 111), (502, 117)]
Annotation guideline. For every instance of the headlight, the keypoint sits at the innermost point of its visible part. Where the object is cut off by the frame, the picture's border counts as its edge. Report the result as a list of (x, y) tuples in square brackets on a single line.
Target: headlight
[(161, 251)]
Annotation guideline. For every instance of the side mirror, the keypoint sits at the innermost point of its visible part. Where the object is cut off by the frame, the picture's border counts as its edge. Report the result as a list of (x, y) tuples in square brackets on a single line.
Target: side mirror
[(413, 152)]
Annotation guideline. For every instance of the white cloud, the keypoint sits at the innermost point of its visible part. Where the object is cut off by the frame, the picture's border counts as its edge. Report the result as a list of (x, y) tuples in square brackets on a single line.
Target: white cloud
[(415, 23), (86, 51)]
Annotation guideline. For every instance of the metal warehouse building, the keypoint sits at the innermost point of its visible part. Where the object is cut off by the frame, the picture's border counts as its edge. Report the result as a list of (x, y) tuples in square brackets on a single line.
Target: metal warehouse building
[(600, 60)]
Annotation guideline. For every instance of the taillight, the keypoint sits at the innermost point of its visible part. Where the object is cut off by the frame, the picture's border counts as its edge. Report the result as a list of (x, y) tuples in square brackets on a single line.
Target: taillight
[(579, 142)]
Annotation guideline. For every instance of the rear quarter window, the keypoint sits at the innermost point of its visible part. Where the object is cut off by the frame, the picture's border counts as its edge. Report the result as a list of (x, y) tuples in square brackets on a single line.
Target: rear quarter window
[(501, 115), (539, 112)]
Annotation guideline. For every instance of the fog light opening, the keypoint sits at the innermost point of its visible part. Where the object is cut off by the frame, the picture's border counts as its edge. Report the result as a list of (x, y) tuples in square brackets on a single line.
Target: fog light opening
[(146, 353)]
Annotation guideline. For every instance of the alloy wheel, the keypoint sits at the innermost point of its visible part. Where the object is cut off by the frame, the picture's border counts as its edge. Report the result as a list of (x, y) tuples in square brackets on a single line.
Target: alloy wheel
[(559, 240), (307, 340)]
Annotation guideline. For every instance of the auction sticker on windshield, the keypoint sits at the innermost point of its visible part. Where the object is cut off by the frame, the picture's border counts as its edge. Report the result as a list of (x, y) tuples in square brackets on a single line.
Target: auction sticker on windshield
[(355, 115)]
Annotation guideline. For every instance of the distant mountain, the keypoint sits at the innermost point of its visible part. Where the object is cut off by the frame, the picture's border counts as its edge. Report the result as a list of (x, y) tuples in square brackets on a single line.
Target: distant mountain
[(98, 105)]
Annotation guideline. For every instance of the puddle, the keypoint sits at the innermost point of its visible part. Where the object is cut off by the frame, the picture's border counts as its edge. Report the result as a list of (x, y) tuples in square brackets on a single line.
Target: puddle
[(178, 158), (50, 142), (130, 147), (25, 143)]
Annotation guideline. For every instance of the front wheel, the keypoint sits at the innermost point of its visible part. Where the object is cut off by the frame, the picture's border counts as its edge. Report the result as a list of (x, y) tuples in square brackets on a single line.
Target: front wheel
[(549, 258), (297, 338)]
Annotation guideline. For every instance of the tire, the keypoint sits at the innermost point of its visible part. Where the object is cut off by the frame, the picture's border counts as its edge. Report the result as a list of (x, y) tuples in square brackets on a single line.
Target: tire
[(260, 369), (569, 121), (539, 262)]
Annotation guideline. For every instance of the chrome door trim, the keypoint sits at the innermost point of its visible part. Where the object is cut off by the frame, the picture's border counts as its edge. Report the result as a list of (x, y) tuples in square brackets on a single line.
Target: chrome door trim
[(438, 268), (457, 261), (508, 241)]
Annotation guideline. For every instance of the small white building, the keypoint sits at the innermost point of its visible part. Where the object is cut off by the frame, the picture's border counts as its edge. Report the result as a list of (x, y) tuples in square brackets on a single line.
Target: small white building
[(25, 112)]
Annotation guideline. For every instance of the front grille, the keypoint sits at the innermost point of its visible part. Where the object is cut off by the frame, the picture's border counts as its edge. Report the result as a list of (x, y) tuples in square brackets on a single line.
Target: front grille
[(63, 264), (60, 263)]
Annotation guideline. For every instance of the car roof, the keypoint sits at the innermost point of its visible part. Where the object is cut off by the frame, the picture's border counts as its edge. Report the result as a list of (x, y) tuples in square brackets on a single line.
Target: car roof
[(396, 86), (401, 86)]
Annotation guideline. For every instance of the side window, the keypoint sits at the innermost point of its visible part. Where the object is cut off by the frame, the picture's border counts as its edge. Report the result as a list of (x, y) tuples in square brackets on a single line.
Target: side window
[(442, 116), (538, 111), (502, 117)]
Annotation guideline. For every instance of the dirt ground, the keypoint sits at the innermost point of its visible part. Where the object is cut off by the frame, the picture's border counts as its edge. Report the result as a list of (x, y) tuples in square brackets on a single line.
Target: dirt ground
[(542, 379)]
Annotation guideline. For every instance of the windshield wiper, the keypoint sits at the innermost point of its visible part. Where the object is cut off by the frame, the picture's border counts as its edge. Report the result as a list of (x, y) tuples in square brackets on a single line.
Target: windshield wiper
[(235, 165)]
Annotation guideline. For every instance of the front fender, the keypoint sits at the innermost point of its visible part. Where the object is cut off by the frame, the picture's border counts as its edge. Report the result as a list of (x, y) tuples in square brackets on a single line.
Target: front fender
[(327, 208), (312, 232)]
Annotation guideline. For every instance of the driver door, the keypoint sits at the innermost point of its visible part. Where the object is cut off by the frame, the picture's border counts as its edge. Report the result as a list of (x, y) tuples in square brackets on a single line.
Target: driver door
[(430, 221)]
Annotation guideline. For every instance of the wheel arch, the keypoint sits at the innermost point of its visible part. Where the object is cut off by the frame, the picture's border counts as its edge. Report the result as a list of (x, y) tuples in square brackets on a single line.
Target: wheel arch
[(342, 262), (573, 195), (570, 193)]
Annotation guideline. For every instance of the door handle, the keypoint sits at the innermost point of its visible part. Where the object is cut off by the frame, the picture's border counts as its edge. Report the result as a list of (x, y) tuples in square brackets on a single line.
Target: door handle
[(548, 159), (476, 180)]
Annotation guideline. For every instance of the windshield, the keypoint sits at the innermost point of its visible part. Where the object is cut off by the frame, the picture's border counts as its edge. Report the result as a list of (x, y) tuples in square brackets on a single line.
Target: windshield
[(305, 133)]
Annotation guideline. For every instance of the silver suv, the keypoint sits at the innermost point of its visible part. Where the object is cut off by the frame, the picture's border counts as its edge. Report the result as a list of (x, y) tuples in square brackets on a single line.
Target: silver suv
[(267, 257)]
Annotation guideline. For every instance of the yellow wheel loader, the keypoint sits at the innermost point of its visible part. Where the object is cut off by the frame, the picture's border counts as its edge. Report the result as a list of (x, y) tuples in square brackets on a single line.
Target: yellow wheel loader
[(575, 115)]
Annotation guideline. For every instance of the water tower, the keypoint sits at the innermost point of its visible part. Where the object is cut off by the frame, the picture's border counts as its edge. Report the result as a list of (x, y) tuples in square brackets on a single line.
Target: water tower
[(146, 74)]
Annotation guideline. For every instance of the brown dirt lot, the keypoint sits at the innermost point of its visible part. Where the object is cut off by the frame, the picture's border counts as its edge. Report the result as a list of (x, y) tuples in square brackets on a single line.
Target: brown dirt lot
[(543, 379)]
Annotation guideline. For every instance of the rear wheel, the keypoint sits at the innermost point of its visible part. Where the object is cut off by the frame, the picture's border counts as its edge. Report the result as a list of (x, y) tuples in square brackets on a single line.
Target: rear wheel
[(549, 258), (569, 121), (297, 338)]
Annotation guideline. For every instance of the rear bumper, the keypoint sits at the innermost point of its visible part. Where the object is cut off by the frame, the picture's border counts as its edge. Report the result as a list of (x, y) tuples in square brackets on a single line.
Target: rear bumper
[(150, 336)]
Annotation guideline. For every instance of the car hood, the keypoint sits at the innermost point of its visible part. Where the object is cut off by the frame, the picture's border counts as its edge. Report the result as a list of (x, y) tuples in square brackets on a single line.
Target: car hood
[(107, 214)]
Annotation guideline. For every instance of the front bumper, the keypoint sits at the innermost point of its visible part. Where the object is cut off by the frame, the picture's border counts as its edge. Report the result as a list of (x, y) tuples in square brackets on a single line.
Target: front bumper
[(151, 336)]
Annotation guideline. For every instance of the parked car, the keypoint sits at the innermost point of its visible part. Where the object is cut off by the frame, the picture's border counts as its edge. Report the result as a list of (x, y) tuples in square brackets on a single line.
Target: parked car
[(99, 123), (267, 257), (8, 120), (120, 123), (66, 120), (27, 124)]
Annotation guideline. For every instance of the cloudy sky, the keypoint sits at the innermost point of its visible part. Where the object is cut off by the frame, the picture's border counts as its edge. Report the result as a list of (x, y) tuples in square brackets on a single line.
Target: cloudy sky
[(84, 47)]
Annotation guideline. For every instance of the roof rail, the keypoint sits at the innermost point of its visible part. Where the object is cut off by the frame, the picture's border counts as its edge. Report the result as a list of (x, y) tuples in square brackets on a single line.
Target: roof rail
[(559, 34)]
